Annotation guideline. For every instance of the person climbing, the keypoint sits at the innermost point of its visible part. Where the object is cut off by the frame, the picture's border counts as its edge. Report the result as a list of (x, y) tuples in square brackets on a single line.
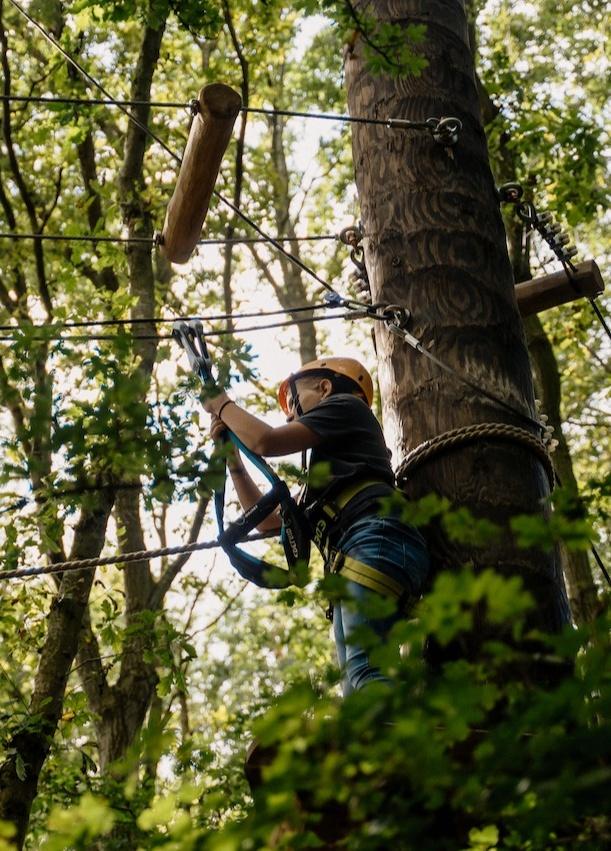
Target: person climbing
[(328, 408)]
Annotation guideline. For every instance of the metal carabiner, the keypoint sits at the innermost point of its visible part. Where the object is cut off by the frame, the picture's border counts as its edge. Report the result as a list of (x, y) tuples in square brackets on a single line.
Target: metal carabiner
[(189, 334)]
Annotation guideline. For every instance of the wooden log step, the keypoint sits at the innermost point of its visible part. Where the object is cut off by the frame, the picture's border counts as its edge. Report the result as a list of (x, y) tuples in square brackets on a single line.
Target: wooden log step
[(218, 108)]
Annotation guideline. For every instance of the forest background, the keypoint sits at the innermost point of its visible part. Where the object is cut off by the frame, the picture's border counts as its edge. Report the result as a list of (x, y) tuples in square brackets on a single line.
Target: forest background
[(126, 715)]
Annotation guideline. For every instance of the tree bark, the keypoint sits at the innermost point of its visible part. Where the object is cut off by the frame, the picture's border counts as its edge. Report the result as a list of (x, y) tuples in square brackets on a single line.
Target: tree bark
[(437, 246), (121, 708)]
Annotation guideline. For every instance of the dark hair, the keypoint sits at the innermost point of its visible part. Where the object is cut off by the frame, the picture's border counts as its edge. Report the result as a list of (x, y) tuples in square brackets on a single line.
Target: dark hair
[(339, 383)]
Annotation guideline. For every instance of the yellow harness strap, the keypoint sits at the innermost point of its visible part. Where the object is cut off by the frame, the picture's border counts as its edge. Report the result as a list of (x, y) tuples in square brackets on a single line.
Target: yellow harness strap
[(364, 574), (333, 509)]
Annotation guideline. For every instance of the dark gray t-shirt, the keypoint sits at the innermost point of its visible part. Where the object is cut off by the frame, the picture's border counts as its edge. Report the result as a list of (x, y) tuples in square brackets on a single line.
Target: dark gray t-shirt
[(352, 450)]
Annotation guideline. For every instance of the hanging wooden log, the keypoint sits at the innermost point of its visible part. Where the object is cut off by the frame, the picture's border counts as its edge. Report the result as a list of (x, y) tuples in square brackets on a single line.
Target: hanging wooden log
[(551, 290), (218, 108)]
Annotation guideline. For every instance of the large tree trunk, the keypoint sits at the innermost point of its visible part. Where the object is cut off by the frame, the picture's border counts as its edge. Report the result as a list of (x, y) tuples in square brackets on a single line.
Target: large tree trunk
[(437, 245)]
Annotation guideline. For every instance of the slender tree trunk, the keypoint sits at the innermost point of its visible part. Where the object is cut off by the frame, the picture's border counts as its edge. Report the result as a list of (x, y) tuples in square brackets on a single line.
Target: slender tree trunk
[(575, 563), (122, 707), (583, 595), (29, 748), (293, 290), (438, 246)]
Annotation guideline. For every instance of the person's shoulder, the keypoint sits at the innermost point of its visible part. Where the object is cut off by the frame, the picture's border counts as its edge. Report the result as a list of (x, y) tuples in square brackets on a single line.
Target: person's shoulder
[(349, 400)]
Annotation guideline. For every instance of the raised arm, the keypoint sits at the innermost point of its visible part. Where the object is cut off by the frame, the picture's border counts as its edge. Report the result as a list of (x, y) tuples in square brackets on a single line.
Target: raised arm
[(257, 435), (247, 490)]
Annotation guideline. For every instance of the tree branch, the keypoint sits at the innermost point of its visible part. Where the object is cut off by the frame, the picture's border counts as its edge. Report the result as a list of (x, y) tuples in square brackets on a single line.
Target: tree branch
[(16, 406), (239, 162), (165, 581), (94, 682)]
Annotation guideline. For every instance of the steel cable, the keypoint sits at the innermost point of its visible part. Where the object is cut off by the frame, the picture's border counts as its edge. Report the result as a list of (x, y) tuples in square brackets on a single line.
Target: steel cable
[(390, 123), (151, 240), (85, 323), (145, 129), (218, 333)]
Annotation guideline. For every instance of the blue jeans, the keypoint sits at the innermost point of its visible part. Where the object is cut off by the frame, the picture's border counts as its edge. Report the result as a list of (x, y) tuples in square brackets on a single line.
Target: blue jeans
[(399, 551)]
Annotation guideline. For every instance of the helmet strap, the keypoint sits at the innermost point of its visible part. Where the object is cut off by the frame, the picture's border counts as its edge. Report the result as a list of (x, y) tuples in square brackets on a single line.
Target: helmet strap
[(295, 396)]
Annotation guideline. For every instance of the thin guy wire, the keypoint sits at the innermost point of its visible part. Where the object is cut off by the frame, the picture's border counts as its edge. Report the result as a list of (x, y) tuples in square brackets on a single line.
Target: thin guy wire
[(164, 319), (571, 270), (600, 564), (398, 123), (124, 558), (145, 129), (150, 240), (482, 390), (600, 316), (391, 123), (220, 333)]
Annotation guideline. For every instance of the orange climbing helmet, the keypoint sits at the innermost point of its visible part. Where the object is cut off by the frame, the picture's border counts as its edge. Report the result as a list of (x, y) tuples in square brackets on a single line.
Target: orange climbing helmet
[(348, 367)]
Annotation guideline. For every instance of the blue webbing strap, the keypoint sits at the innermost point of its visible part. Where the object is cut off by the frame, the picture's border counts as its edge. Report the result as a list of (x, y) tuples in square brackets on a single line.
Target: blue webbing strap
[(248, 566), (295, 538)]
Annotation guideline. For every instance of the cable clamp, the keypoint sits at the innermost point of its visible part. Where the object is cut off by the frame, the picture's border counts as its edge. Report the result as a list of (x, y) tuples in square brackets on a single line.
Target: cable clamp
[(510, 193), (352, 235), (396, 318), (393, 313), (333, 299), (445, 130), (412, 341), (194, 106)]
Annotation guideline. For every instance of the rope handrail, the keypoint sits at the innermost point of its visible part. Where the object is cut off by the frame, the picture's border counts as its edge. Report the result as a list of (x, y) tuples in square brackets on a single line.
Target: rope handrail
[(121, 558), (459, 437)]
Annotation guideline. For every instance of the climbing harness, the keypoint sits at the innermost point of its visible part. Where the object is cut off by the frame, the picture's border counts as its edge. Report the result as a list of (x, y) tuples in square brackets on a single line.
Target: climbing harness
[(294, 534), (369, 577), (326, 514)]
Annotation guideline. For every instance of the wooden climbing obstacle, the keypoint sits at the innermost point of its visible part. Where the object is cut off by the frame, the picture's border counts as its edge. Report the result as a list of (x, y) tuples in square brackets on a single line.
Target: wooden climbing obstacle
[(558, 288), (217, 108)]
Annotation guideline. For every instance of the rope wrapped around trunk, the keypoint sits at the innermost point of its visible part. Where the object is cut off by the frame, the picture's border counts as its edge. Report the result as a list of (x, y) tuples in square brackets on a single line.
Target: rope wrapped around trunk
[(459, 437)]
